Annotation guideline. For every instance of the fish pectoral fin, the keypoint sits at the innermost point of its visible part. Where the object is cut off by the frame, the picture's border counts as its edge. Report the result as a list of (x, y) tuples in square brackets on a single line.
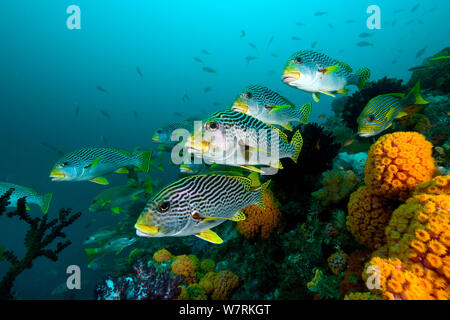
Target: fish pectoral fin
[(401, 114), (316, 96), (251, 168), (122, 170), (287, 126), (326, 71), (274, 109), (390, 115), (94, 163), (100, 180), (389, 125), (116, 209), (328, 93), (209, 236)]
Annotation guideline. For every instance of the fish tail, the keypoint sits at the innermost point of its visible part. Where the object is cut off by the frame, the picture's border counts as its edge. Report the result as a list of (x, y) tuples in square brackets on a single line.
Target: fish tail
[(297, 144), (45, 202), (363, 75), (303, 112), (144, 160), (414, 96), (91, 253)]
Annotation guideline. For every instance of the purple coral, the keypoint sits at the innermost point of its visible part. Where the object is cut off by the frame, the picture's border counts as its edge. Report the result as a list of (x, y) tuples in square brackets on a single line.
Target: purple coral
[(145, 283)]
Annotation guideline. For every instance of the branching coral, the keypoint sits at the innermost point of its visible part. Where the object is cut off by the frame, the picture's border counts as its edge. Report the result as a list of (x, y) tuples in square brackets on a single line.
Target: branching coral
[(145, 282), (337, 186), (368, 216), (397, 163), (260, 222), (40, 235)]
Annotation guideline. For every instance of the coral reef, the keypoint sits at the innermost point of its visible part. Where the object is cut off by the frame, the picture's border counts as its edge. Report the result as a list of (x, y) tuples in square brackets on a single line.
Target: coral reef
[(352, 281), (397, 163), (338, 184), (368, 216), (185, 266), (354, 162), (260, 222), (146, 282), (162, 255), (337, 262), (224, 283), (40, 235)]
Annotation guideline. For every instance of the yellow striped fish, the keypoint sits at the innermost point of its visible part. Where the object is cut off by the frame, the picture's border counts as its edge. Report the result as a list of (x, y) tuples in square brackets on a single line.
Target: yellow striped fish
[(195, 204), (380, 112), (30, 195)]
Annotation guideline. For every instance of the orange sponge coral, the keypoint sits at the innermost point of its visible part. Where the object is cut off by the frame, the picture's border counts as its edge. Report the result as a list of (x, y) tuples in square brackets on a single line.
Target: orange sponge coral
[(224, 283), (183, 265), (438, 185), (391, 281), (259, 221), (368, 216), (162, 256), (419, 235), (397, 163), (337, 262)]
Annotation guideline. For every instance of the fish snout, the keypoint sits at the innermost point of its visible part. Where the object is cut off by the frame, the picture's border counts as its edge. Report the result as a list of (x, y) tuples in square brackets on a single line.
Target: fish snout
[(240, 107), (57, 174), (290, 76), (196, 145), (146, 227)]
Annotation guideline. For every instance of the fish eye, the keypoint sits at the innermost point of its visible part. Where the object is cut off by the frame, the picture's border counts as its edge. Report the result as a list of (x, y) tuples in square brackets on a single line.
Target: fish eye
[(164, 206), (64, 164), (158, 131), (212, 126), (298, 60), (371, 117), (248, 95)]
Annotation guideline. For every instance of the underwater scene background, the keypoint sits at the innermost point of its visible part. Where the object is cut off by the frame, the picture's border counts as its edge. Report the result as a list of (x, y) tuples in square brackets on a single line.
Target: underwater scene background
[(136, 66)]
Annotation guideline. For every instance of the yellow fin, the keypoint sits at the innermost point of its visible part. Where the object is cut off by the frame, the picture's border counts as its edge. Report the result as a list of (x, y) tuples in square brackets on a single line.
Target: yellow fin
[(251, 168), (287, 126), (134, 198), (342, 91), (122, 170), (401, 114), (94, 163), (254, 180), (328, 93), (316, 96), (277, 165), (278, 108), (390, 115), (331, 69), (100, 180), (209, 236), (239, 216)]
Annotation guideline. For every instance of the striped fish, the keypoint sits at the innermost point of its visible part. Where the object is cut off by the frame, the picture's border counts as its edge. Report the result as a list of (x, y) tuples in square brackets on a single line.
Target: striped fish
[(92, 163), (163, 134), (268, 106), (195, 204), (31, 196), (234, 138), (380, 112), (316, 72)]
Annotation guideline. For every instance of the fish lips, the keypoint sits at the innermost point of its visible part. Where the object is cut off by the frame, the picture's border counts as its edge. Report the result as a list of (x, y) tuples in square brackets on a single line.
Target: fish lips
[(290, 76), (240, 107), (366, 134), (57, 175), (143, 230)]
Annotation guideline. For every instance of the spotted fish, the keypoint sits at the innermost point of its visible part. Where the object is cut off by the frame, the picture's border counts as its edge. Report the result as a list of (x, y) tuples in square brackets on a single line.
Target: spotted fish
[(236, 139), (92, 163), (31, 196), (316, 72), (196, 204), (268, 106), (380, 112)]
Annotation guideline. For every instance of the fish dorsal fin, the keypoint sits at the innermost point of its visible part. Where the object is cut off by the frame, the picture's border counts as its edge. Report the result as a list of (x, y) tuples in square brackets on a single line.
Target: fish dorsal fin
[(210, 236), (100, 180), (345, 66), (254, 180), (398, 95)]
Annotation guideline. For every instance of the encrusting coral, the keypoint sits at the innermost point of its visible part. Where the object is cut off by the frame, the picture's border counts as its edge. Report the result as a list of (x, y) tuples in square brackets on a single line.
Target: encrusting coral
[(39, 236), (368, 216), (337, 186), (259, 221), (397, 163)]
